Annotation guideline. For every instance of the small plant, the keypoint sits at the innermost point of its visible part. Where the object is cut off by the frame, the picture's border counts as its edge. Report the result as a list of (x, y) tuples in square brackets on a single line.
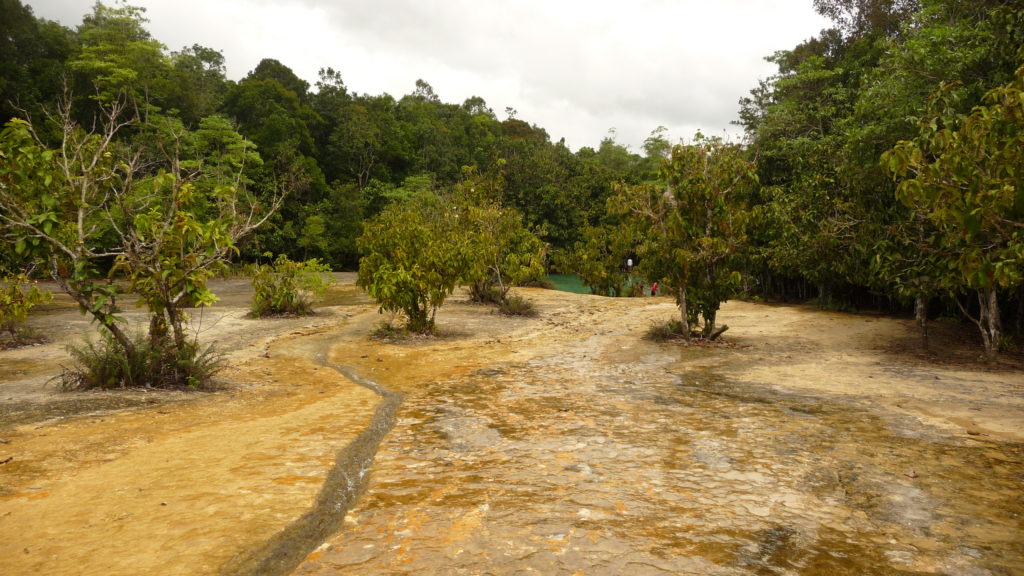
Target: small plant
[(517, 306), (103, 365), (18, 296), (1008, 344), (388, 331), (191, 367), (287, 288), (665, 331)]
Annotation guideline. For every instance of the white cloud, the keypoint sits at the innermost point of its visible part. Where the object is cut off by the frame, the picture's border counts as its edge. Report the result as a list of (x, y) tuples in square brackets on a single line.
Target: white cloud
[(574, 67)]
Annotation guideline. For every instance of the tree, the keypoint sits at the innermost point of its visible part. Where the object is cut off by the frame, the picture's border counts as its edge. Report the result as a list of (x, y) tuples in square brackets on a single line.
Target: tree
[(692, 232), (860, 17), (53, 206), (599, 258), (911, 259), (174, 233), (431, 134), (271, 69), (343, 213), (196, 83), (538, 183), (270, 107), (359, 141), (119, 56), (818, 128), (413, 258), (812, 223), (502, 251), (313, 235), (271, 114), (97, 198), (656, 148), (963, 174), (224, 156)]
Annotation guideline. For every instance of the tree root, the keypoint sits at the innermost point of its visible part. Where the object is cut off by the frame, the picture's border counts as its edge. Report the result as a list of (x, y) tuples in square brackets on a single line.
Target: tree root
[(718, 332)]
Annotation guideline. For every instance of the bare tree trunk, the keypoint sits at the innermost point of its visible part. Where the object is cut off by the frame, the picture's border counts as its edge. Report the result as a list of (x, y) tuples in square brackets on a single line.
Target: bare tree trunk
[(709, 323), (709, 317), (684, 317), (175, 319), (989, 321), (921, 316)]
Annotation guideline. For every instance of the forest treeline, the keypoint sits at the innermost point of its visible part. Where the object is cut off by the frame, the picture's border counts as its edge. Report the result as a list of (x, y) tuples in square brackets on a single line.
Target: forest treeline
[(344, 155), (881, 165)]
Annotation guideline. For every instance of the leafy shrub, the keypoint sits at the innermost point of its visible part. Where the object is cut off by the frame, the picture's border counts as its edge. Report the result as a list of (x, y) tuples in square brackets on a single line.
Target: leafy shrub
[(104, 364), (413, 257), (18, 295), (192, 367), (288, 288), (504, 253), (517, 306)]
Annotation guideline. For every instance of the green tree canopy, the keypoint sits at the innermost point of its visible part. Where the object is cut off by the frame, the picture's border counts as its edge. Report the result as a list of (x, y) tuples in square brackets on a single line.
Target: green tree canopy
[(692, 231), (413, 258), (964, 175)]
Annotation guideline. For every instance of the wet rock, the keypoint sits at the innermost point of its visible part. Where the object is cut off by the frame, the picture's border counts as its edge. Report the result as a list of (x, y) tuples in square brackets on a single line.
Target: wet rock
[(594, 465)]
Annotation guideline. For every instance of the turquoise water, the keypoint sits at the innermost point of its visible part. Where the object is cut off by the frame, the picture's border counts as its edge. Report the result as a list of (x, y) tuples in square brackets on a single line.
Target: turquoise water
[(568, 283)]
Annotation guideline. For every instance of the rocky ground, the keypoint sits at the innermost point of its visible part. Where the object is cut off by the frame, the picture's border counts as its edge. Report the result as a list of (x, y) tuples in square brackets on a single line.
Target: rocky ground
[(806, 431)]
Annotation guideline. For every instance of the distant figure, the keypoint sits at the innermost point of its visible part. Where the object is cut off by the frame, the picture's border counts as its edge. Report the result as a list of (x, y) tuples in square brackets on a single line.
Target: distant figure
[(654, 289), (629, 264)]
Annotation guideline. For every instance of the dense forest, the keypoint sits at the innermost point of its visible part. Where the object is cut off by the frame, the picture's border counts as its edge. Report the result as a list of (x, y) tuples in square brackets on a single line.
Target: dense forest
[(881, 166)]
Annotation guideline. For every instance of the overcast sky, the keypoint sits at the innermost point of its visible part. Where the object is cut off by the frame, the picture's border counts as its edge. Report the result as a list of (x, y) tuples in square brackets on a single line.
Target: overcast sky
[(577, 68)]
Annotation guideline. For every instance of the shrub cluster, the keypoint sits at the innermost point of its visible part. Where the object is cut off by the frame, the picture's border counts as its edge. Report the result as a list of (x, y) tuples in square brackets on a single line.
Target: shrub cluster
[(103, 364), (287, 288)]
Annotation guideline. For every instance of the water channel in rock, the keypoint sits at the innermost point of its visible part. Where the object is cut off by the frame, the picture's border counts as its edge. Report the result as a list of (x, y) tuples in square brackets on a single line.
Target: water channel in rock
[(561, 465)]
